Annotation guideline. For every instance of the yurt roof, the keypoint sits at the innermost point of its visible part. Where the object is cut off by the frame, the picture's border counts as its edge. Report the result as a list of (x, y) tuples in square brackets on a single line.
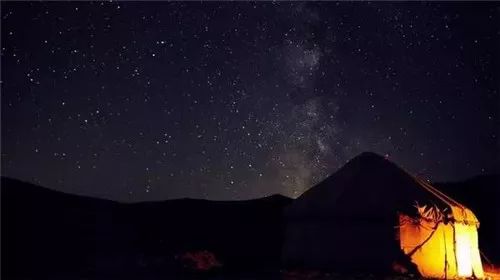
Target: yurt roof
[(371, 187)]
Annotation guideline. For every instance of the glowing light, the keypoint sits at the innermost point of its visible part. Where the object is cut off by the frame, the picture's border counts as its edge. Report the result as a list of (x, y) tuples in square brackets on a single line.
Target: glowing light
[(441, 250), (463, 250)]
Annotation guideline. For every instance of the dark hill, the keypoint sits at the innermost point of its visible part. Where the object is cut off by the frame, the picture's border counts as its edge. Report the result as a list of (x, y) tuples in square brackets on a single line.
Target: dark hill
[(52, 235)]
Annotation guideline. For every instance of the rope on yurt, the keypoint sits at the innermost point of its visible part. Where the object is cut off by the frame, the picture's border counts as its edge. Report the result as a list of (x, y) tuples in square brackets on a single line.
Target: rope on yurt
[(442, 194), (446, 199), (486, 258), (425, 241), (423, 184), (455, 243), (435, 192)]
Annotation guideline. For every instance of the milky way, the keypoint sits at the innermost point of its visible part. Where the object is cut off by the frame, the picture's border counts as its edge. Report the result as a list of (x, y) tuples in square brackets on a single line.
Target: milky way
[(150, 101)]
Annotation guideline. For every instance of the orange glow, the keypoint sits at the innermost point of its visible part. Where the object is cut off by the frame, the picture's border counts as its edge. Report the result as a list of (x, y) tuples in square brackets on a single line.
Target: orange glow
[(441, 250)]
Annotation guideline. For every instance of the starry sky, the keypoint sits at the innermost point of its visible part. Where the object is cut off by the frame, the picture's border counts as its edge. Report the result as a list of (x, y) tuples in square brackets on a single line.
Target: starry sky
[(140, 101)]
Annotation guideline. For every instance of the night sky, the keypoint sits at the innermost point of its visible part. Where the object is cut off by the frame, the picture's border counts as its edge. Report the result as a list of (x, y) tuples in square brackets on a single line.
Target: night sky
[(150, 101)]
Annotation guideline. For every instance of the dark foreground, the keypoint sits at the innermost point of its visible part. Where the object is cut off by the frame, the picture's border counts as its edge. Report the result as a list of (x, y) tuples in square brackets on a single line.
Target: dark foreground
[(51, 235)]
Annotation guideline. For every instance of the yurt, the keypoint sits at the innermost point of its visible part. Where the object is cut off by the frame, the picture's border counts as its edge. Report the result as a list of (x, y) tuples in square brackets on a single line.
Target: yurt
[(373, 216)]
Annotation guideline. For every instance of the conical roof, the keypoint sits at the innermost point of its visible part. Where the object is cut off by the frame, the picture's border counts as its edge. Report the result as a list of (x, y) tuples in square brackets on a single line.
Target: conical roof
[(371, 187)]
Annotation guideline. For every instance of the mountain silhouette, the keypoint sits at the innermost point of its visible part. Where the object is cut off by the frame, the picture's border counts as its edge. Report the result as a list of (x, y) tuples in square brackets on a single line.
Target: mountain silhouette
[(47, 234)]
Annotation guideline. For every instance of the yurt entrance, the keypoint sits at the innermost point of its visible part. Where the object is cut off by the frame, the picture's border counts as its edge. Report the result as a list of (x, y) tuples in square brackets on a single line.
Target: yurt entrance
[(467, 253)]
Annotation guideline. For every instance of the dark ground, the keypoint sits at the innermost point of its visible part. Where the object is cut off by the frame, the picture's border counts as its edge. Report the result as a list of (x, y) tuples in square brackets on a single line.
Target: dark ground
[(48, 234), (52, 235)]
